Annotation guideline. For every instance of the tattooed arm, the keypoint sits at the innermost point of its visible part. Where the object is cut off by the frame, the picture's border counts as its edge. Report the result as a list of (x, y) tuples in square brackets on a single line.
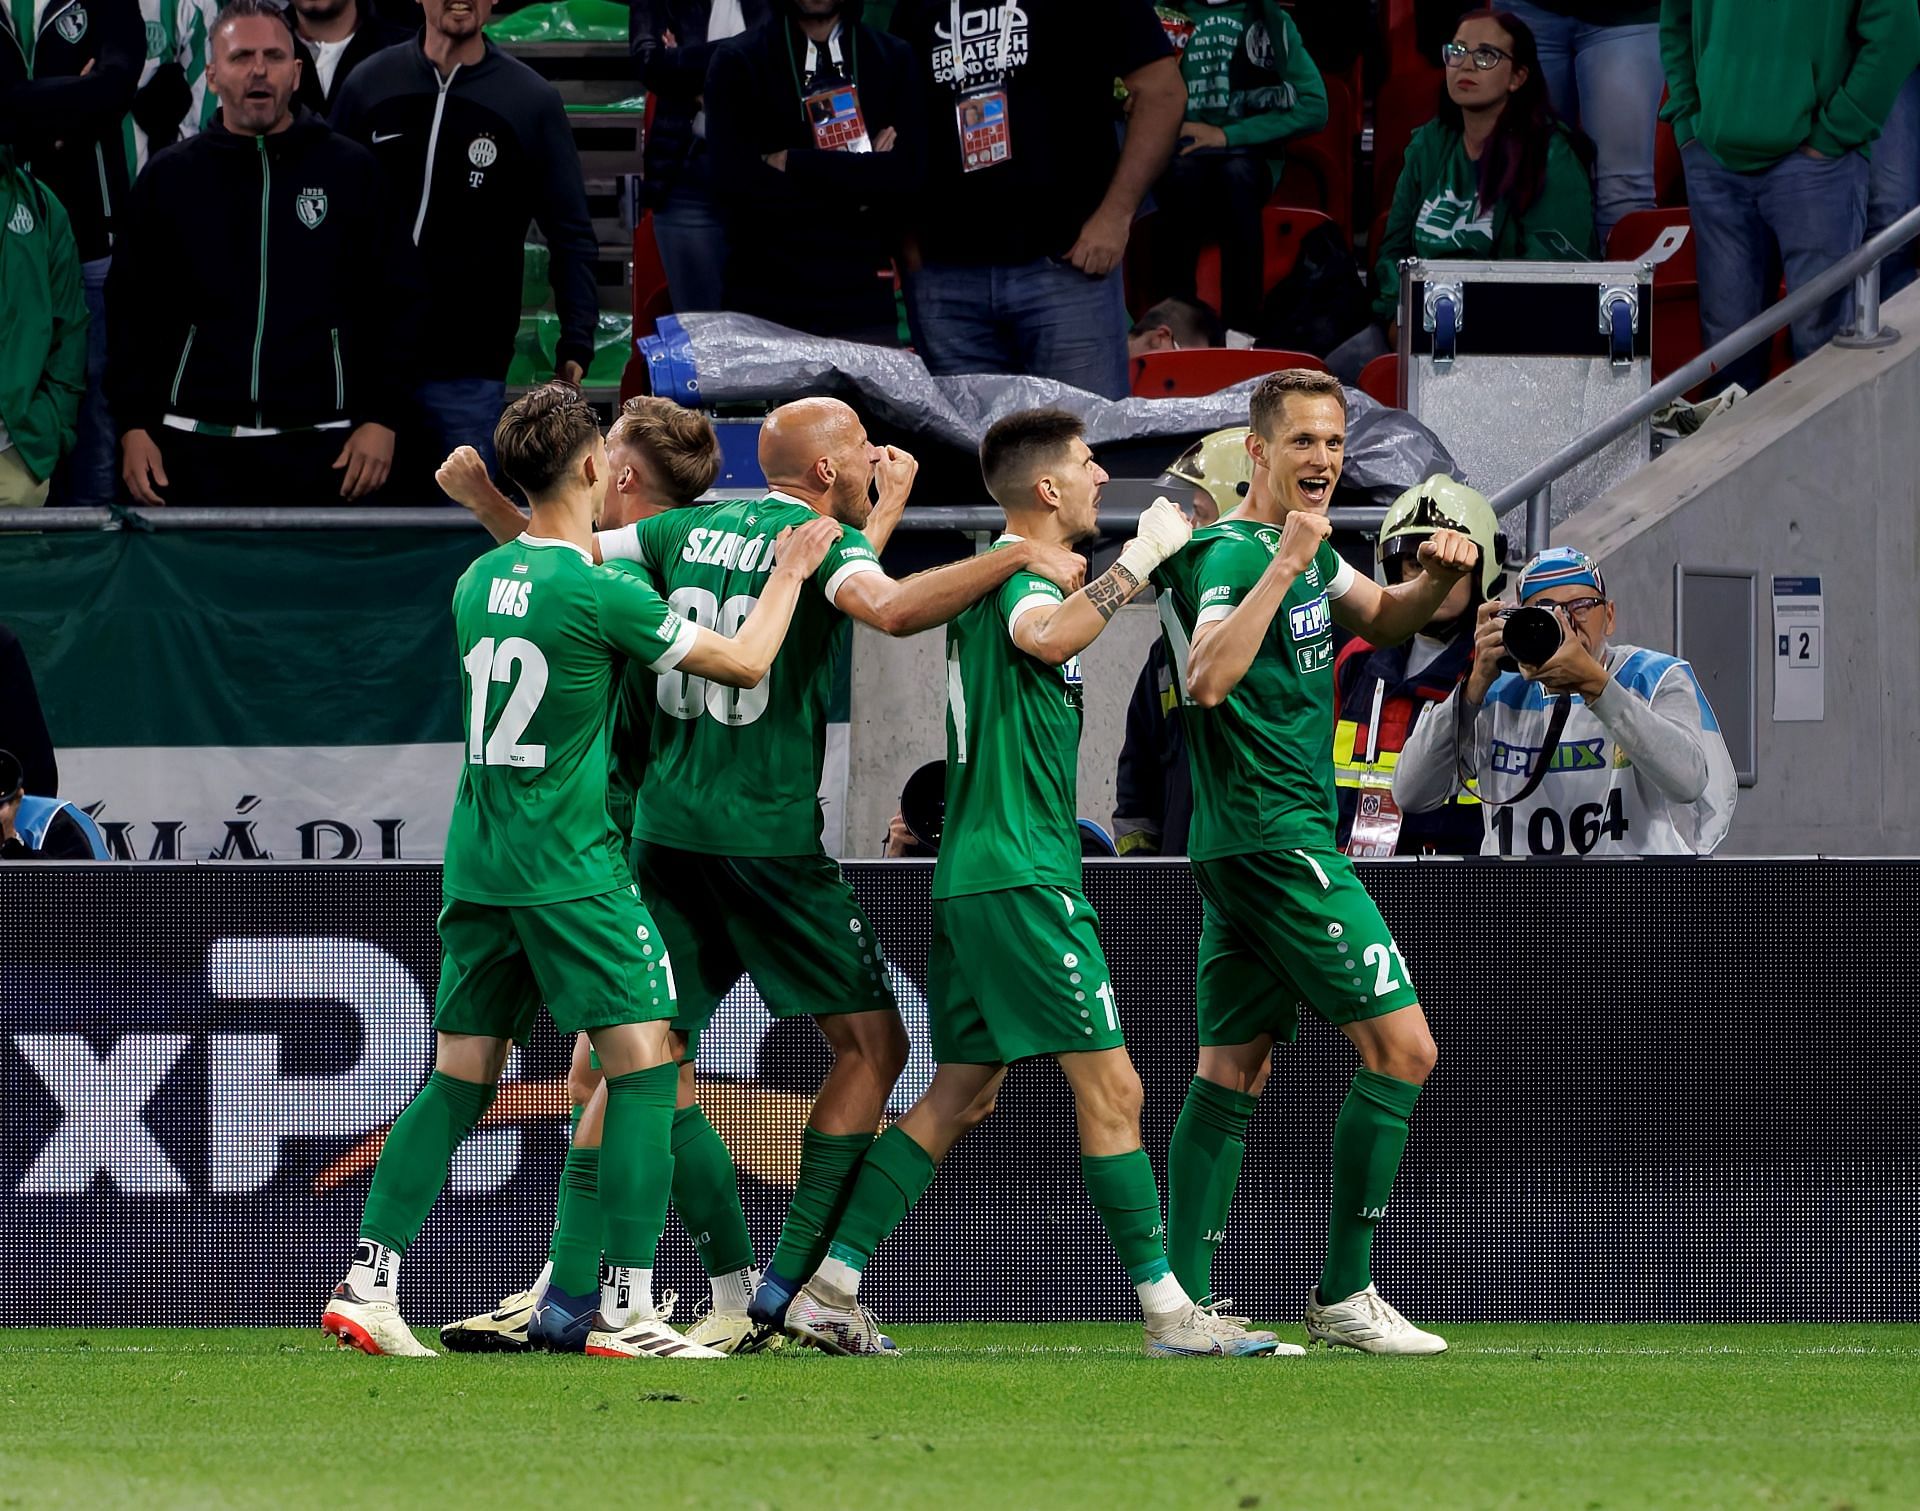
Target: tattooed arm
[(1056, 633)]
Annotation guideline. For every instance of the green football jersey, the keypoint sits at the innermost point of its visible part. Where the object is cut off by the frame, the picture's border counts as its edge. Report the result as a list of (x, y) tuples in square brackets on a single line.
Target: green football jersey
[(1013, 752), (630, 731), (541, 632), (734, 771), (1263, 759)]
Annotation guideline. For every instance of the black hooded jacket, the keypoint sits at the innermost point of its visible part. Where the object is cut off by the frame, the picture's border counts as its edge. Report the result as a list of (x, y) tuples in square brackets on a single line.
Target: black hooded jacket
[(469, 161), (65, 119), (261, 281), (807, 244)]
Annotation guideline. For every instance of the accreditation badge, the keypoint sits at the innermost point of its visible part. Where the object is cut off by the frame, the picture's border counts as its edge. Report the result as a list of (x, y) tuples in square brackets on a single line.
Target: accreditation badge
[(834, 114), (985, 140), (1376, 819)]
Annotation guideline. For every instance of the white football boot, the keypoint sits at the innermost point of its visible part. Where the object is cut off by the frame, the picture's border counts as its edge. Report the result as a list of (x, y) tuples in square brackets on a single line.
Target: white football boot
[(500, 1331), (836, 1323), (373, 1327), (1365, 1321), (647, 1336), (1202, 1331), (727, 1331)]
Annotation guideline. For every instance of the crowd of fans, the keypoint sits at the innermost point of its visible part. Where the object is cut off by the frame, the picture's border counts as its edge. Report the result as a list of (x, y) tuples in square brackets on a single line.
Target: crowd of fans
[(294, 235)]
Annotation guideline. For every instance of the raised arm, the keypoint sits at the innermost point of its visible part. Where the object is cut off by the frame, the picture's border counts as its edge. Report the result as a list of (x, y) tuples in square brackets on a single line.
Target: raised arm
[(925, 599), (894, 481), (1387, 616), (1056, 634), (1223, 649), (743, 659), (463, 478)]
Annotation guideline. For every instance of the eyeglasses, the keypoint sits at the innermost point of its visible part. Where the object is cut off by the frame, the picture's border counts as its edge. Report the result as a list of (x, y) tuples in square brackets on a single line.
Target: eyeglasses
[(1485, 56), (1577, 608)]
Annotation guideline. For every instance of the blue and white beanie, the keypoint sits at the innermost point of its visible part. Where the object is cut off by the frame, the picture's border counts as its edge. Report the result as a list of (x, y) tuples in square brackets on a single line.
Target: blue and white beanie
[(1561, 567)]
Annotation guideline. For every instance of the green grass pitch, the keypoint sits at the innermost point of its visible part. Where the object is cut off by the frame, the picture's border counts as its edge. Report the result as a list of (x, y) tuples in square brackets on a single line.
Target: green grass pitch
[(1001, 1416)]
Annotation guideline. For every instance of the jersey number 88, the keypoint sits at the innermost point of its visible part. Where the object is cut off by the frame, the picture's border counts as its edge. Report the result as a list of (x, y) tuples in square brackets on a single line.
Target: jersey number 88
[(684, 697)]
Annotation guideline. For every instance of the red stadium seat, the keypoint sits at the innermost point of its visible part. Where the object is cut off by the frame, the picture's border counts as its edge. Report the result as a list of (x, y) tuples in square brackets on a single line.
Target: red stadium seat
[(1403, 35), (649, 277), (1380, 379), (1676, 285), (1322, 164), (1282, 229), (1184, 374), (1405, 103)]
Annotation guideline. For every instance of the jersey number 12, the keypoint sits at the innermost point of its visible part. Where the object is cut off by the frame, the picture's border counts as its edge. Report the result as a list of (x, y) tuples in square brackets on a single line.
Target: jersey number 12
[(486, 664)]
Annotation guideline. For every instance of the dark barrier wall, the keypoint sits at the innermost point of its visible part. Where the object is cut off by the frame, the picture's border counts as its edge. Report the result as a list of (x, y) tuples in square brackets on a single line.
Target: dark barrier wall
[(1681, 1092)]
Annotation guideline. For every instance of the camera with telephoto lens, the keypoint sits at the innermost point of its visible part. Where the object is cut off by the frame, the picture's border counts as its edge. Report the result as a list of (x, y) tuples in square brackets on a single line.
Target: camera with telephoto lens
[(1531, 635)]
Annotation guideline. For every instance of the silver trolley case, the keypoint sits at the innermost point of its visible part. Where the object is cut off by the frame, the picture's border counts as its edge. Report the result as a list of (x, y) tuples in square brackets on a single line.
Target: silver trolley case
[(1507, 362)]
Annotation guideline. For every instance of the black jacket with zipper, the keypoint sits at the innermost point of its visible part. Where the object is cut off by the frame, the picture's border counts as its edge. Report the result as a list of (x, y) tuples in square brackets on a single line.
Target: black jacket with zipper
[(54, 103), (261, 281), (469, 161), (676, 77)]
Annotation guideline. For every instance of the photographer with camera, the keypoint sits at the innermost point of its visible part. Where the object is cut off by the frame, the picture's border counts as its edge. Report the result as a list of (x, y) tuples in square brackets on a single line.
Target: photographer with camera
[(1578, 746)]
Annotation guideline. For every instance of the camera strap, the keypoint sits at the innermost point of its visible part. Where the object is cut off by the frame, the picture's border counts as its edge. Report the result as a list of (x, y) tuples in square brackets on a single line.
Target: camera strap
[(1556, 726)]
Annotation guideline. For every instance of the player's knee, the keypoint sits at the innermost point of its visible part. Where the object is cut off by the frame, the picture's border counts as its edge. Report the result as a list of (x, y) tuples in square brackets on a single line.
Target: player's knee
[(1113, 1102), (1409, 1058), (890, 1050)]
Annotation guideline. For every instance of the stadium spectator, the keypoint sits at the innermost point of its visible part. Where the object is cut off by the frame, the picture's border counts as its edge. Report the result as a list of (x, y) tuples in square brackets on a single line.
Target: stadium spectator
[(673, 43), (262, 299), (1250, 88), (1600, 60), (1381, 692), (1031, 187), (1496, 174), (1175, 325), (172, 100), (1153, 786), (23, 727), (474, 145), (815, 119), (1893, 180), (66, 84), (43, 335), (1600, 749), (33, 827), (1774, 108), (331, 39)]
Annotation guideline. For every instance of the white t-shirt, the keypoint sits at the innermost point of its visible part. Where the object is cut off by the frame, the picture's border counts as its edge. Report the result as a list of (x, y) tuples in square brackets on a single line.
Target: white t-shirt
[(326, 60)]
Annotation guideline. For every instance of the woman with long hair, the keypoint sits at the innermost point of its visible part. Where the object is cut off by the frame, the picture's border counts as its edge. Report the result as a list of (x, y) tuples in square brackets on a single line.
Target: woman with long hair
[(1496, 175)]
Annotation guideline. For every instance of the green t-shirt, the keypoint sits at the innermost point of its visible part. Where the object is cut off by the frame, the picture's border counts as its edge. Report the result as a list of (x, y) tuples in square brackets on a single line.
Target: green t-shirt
[(540, 632), (1013, 752), (1263, 759), (734, 771)]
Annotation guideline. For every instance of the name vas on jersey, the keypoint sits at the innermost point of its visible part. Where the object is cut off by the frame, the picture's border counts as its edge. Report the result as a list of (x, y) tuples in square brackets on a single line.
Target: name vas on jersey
[(1600, 795)]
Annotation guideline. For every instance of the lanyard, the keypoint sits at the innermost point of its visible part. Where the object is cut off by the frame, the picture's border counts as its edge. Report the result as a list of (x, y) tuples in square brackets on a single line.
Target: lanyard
[(852, 66), (1006, 42)]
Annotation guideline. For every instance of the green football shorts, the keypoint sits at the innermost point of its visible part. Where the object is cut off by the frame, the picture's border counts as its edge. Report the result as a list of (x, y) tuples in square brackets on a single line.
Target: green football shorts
[(1286, 930), (594, 961), (788, 921), (1017, 973)]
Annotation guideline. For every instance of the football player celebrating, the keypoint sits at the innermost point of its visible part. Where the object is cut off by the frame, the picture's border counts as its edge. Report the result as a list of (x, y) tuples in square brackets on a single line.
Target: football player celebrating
[(1248, 612)]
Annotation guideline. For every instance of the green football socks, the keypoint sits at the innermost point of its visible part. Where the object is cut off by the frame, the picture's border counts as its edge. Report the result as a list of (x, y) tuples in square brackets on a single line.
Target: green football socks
[(1368, 1140), (636, 1172), (894, 1175), (829, 1163), (577, 1231), (1128, 1200), (1203, 1171), (706, 1193), (412, 1171)]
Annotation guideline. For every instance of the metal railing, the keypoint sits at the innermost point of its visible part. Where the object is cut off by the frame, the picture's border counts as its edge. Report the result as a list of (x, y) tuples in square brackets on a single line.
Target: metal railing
[(1861, 268)]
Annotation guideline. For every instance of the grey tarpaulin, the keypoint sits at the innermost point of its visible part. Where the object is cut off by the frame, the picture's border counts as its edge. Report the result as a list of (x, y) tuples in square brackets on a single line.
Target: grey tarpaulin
[(732, 359)]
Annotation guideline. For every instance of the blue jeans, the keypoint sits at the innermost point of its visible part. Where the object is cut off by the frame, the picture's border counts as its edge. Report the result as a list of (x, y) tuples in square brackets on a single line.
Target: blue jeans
[(1607, 80), (692, 238), (91, 475), (449, 412), (1893, 181), (1813, 211), (1045, 319)]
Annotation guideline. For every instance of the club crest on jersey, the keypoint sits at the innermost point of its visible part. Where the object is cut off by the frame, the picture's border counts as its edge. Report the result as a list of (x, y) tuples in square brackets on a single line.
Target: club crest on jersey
[(482, 152), (21, 221), (1268, 538), (156, 40), (311, 206), (72, 24)]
